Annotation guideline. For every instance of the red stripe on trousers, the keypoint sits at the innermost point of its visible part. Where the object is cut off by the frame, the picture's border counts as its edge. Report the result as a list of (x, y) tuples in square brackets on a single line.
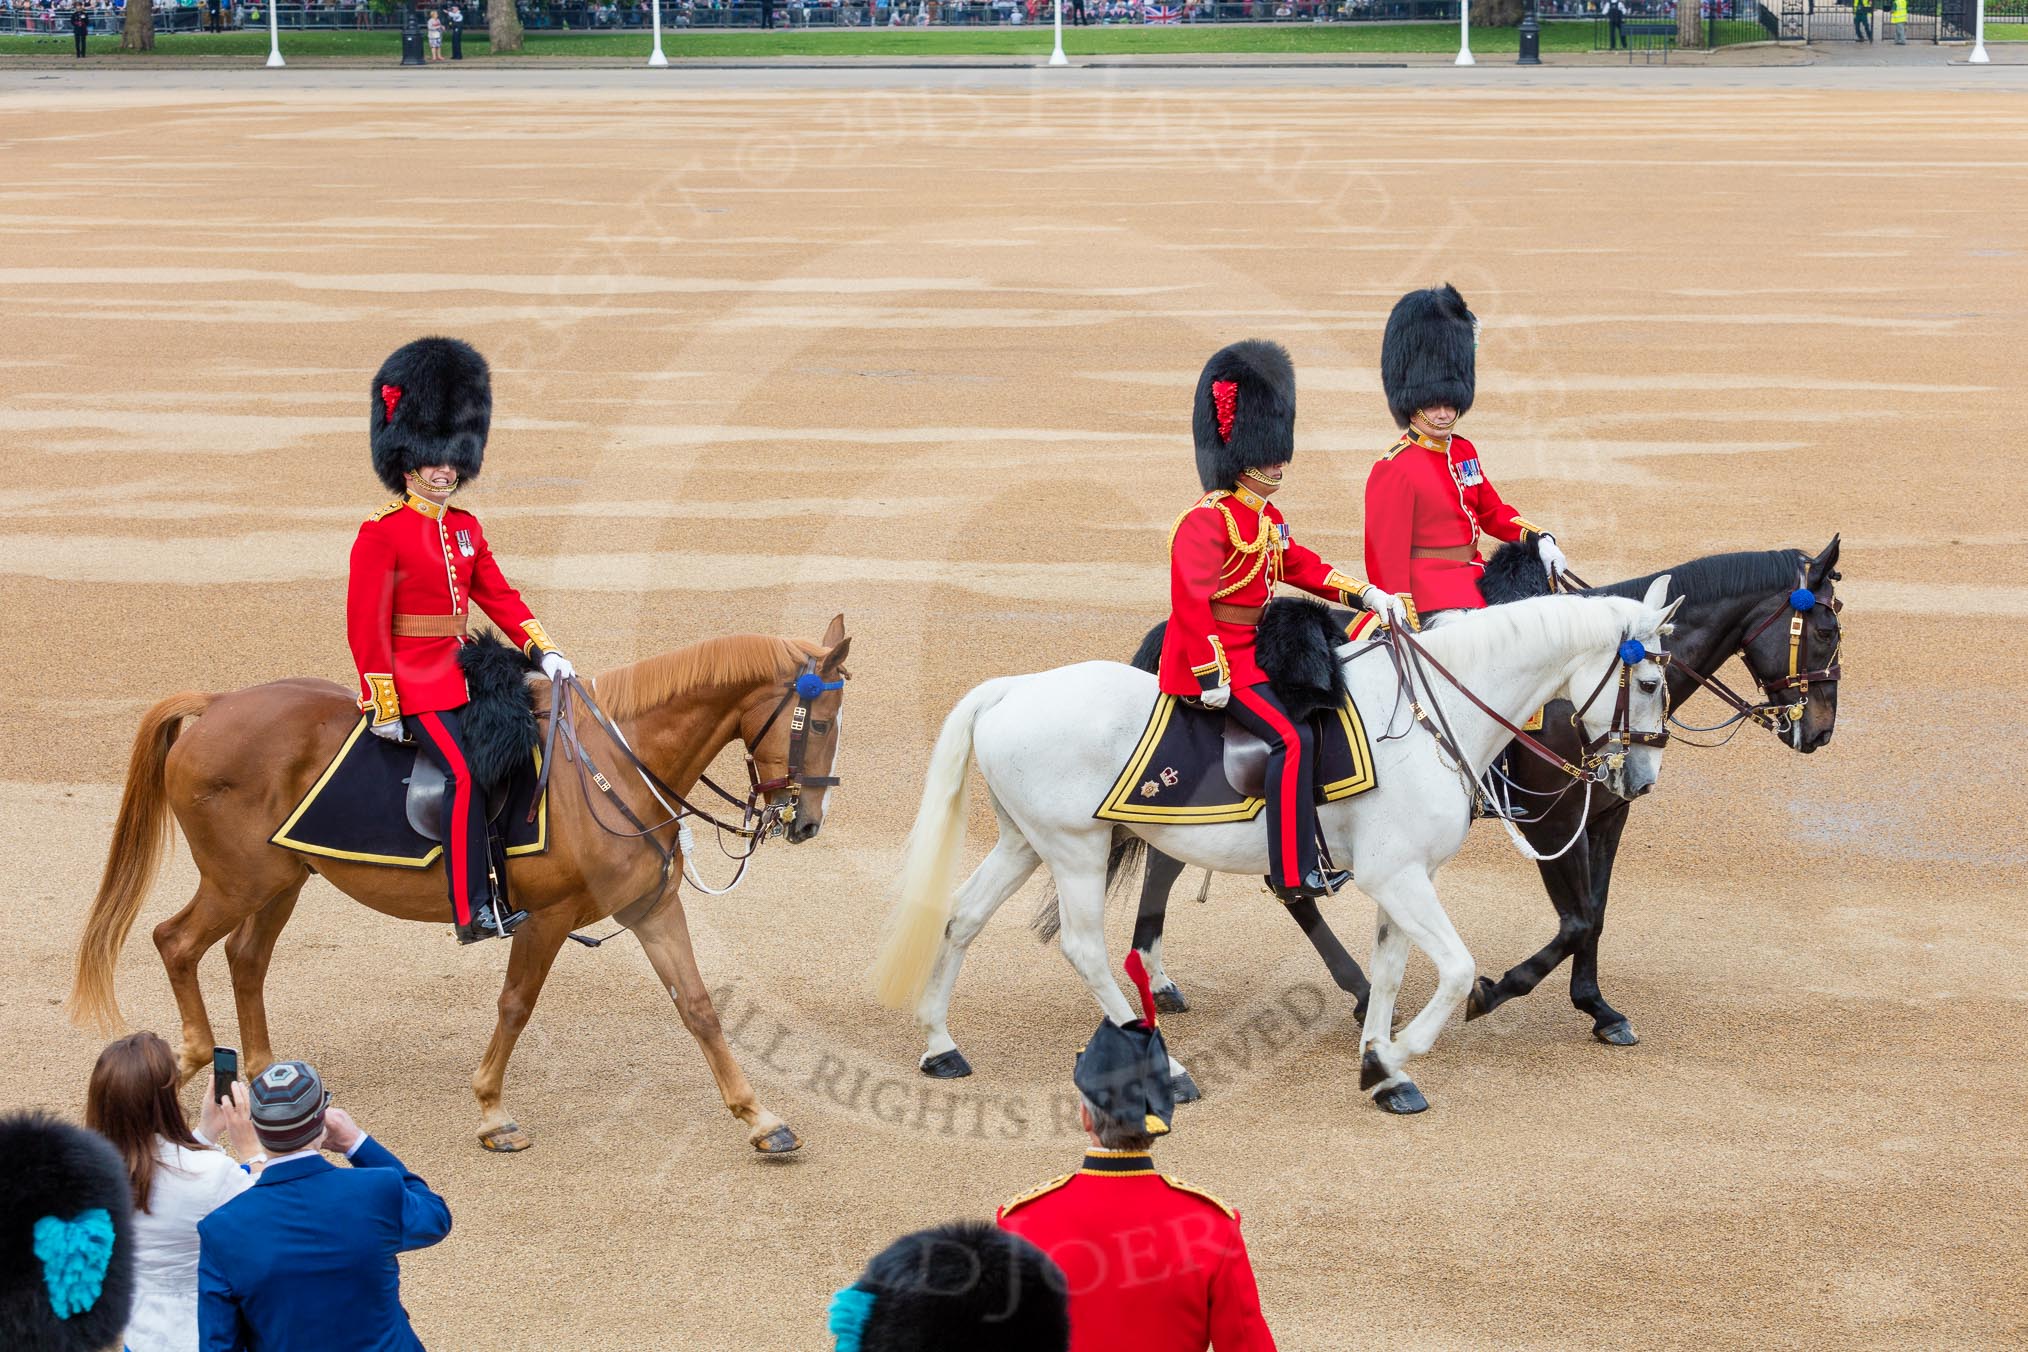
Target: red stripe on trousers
[(460, 812), (1292, 767)]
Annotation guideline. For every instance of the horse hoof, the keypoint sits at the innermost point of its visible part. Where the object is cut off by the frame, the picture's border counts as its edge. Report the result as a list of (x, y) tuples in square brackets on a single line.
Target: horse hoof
[(1169, 1000), (1371, 1072), (1185, 1089), (950, 1065), (505, 1139), (1480, 1002), (1619, 1034), (1402, 1099), (780, 1141)]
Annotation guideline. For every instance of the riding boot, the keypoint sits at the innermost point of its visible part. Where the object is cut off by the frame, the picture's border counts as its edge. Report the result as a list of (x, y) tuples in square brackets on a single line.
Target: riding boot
[(491, 919), (1318, 882)]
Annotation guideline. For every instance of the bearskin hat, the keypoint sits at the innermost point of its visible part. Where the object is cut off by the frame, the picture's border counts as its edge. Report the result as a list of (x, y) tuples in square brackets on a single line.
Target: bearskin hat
[(1245, 415), (1426, 355), (964, 1285), (432, 404), (66, 1238)]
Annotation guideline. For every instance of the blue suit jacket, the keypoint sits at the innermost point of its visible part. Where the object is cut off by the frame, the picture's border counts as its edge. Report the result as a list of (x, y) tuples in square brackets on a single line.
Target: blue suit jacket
[(305, 1260)]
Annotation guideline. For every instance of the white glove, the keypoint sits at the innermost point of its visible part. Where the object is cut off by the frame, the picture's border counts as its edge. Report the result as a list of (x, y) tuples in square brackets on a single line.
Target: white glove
[(557, 667), (1217, 697), (1386, 605), (390, 731), (1552, 557)]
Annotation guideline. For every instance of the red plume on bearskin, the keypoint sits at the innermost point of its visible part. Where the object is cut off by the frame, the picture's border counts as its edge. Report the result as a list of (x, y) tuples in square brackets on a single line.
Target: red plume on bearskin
[(1245, 414)]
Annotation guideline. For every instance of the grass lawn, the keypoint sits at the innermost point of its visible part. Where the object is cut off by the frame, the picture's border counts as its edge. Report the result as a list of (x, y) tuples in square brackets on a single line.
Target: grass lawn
[(1575, 36)]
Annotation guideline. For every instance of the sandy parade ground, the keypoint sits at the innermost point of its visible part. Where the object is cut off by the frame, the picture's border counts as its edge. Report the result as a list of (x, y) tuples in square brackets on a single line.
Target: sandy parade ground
[(771, 346)]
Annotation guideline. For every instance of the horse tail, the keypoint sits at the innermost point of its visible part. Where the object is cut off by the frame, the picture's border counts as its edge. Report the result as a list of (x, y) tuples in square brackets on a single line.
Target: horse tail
[(139, 834), (936, 846)]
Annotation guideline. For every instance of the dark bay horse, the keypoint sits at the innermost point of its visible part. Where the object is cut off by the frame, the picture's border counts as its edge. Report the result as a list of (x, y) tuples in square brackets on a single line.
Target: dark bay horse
[(1734, 605), (233, 772)]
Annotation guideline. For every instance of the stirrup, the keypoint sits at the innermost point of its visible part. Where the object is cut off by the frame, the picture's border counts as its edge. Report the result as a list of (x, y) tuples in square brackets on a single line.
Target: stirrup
[(487, 923)]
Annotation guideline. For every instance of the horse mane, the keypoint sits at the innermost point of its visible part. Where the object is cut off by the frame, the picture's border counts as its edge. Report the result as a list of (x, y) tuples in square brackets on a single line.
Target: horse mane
[(735, 659), (1719, 577), (1489, 636)]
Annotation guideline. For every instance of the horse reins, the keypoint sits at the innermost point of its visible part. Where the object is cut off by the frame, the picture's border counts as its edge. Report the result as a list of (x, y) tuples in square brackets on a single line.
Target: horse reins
[(1776, 715), (760, 819)]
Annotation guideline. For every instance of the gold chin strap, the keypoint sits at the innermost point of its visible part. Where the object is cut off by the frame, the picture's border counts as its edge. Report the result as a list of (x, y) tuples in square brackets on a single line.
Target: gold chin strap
[(413, 478)]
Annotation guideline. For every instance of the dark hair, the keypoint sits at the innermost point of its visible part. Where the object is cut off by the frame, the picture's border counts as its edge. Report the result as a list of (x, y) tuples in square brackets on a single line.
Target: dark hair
[(964, 1285), (132, 1101)]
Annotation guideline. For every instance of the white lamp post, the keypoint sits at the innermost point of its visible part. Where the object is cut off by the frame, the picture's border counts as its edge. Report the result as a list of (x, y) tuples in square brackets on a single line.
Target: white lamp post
[(1465, 34), (274, 37), (1057, 58), (1979, 57), (655, 58)]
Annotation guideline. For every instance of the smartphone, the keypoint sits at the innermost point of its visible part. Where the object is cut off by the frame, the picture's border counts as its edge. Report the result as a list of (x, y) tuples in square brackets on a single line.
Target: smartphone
[(224, 1070)]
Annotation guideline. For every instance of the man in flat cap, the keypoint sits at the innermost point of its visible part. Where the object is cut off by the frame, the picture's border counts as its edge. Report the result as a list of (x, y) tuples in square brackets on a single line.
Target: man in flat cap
[(307, 1259), (1151, 1262)]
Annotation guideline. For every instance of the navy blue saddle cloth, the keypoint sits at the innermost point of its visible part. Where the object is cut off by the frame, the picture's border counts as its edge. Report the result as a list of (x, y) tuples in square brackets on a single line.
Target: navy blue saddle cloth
[(1178, 773), (379, 803)]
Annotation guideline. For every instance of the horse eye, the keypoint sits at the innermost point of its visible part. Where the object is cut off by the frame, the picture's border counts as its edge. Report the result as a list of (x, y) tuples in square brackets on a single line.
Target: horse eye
[(1649, 687), (819, 726)]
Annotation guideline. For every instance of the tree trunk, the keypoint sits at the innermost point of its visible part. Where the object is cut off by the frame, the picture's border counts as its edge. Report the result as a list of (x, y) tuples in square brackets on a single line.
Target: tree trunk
[(1689, 24), (1496, 13), (503, 26), (137, 34)]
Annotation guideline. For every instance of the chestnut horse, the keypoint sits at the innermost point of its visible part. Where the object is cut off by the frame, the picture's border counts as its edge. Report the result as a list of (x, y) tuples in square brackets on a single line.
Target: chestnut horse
[(234, 773)]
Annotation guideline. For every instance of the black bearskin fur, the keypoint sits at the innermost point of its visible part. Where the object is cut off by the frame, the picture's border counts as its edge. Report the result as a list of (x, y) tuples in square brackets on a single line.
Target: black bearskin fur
[(499, 724), (1264, 413), (1297, 644), (1427, 354), (56, 1169), (1514, 573), (966, 1285), (442, 417)]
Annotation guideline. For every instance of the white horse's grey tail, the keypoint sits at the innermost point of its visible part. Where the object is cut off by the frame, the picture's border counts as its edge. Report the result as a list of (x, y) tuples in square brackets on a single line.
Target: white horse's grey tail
[(935, 849)]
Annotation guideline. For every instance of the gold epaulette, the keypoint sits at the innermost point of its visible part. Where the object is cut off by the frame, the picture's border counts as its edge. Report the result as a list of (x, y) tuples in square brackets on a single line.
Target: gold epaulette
[(1180, 1186), (1209, 499), (1397, 448), (1025, 1198), (394, 506)]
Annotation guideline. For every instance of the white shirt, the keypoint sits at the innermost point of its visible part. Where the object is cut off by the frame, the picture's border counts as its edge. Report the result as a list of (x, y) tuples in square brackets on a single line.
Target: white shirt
[(188, 1186)]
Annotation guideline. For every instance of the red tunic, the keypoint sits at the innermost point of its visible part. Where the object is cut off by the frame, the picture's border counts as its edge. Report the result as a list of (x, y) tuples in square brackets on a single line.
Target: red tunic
[(414, 557), (1421, 495), (1232, 548), (1153, 1265)]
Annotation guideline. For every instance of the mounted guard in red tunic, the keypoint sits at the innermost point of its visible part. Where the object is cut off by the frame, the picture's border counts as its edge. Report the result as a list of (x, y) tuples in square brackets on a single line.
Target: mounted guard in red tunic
[(1226, 555), (418, 566), (1428, 500)]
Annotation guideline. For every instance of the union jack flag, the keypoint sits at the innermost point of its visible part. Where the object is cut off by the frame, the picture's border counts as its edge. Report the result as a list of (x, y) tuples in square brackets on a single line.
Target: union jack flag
[(1162, 14)]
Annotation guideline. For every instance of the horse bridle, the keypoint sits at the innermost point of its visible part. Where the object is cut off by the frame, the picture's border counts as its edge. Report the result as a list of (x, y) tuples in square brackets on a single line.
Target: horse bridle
[(1601, 756), (760, 818), (1777, 715)]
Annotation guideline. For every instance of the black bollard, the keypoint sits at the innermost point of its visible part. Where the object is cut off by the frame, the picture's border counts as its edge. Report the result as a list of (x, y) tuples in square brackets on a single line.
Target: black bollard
[(1531, 39), (411, 36)]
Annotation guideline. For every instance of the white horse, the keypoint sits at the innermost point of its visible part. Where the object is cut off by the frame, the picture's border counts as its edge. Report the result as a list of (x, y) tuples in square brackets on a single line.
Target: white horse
[(1051, 744)]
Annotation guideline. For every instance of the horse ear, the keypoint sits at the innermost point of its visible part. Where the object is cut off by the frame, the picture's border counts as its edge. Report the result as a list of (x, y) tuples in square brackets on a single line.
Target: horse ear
[(1658, 593), (834, 634), (836, 656), (1821, 567), (1669, 615)]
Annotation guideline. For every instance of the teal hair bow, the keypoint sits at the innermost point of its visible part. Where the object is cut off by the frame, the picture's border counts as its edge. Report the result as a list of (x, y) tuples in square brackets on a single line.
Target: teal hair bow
[(850, 1309), (74, 1257)]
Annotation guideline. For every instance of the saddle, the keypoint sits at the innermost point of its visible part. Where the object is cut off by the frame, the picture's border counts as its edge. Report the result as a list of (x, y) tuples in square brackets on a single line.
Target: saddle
[(424, 801), (1196, 766)]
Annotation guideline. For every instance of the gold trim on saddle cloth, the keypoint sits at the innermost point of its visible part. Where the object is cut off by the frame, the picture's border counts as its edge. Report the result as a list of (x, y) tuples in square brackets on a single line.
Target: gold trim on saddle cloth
[(1122, 804), (281, 837)]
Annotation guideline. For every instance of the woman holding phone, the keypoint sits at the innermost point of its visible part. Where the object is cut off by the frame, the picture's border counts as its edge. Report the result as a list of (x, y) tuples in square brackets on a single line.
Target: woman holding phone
[(178, 1176)]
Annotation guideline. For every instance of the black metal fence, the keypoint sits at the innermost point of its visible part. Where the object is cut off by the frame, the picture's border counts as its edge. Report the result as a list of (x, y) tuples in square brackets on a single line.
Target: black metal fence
[(45, 16)]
